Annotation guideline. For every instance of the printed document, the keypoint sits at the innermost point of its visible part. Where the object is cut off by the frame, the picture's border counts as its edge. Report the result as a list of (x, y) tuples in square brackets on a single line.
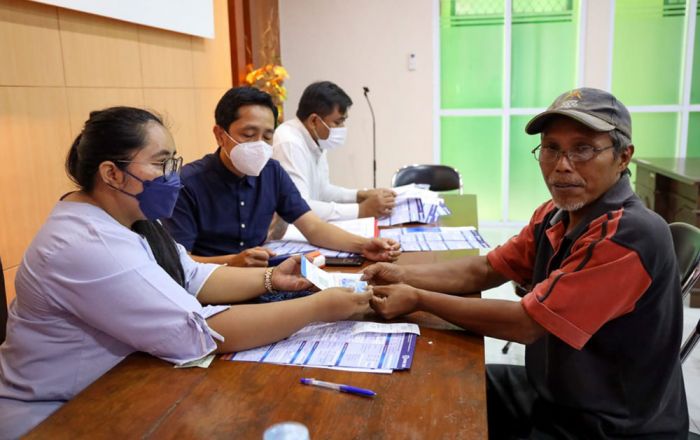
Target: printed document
[(348, 345), (427, 238)]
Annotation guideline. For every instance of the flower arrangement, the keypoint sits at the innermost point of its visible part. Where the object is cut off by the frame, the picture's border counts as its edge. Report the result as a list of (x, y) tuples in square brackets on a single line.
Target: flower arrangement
[(270, 79)]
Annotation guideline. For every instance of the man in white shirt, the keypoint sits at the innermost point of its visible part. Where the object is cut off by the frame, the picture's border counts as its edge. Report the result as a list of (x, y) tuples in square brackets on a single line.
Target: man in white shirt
[(300, 146)]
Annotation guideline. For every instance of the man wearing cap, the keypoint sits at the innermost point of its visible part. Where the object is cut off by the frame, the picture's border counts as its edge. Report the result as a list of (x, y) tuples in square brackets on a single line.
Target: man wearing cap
[(602, 318)]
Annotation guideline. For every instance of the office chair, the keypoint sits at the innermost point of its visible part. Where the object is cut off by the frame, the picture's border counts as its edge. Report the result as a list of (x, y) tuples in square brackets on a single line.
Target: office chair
[(3, 305), (686, 243), (439, 177)]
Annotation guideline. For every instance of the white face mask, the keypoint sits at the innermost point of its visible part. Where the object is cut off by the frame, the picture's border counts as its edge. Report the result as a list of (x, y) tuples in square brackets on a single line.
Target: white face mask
[(336, 138), (250, 157)]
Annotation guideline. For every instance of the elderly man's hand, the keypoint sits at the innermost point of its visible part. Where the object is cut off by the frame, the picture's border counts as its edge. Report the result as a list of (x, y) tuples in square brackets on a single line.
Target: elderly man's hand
[(394, 300), (383, 273)]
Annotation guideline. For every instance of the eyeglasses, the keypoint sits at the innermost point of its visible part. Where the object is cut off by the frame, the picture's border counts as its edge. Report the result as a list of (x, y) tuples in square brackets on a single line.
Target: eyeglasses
[(582, 153), (170, 165)]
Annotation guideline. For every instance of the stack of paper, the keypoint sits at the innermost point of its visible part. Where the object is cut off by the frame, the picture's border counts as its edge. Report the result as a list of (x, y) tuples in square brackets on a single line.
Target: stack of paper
[(346, 345), (415, 204), (285, 247), (436, 238), (294, 241)]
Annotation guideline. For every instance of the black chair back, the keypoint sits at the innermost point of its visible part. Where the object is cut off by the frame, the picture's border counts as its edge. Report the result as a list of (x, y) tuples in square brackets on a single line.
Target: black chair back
[(686, 243), (439, 177), (3, 305), (691, 342)]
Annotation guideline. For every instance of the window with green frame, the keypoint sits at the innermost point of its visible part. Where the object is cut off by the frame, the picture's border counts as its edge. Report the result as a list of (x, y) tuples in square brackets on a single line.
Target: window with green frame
[(543, 64), (650, 80)]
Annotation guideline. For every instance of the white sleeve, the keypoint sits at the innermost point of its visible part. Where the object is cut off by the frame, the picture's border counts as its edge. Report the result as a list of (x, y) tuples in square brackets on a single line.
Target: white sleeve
[(334, 211), (330, 192), (299, 168), (196, 274), (112, 283)]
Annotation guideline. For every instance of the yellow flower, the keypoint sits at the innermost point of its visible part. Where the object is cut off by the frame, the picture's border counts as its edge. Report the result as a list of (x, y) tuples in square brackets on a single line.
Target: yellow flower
[(280, 72), (270, 79)]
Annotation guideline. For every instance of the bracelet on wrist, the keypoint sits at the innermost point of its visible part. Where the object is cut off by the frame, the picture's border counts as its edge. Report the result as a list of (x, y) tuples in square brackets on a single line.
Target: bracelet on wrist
[(267, 280)]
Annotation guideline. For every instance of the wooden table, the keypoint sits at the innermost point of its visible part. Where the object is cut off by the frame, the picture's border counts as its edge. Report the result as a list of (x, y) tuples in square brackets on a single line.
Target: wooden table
[(670, 186), (441, 396)]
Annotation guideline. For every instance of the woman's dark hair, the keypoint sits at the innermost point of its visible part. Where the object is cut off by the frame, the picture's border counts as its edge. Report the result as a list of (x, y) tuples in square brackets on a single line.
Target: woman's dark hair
[(117, 134), (163, 248), (227, 109), (112, 134), (321, 98)]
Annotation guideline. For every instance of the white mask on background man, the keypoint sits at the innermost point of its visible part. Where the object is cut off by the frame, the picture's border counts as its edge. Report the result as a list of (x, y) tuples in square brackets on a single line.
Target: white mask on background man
[(336, 138), (250, 157)]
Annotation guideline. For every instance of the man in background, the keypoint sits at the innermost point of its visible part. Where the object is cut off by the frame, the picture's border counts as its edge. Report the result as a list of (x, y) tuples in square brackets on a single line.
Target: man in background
[(301, 146), (229, 197)]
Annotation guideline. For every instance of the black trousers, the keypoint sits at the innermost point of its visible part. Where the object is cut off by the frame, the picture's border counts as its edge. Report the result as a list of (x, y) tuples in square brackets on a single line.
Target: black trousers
[(509, 402)]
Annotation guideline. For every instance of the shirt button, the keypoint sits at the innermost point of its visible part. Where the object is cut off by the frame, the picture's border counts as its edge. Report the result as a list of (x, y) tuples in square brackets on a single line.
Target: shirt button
[(242, 203), (241, 244), (243, 225)]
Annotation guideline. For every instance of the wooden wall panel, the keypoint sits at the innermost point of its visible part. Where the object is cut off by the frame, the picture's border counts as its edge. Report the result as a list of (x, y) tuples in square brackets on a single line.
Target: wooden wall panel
[(29, 44), (166, 58), (211, 67), (9, 275), (205, 103), (99, 52), (58, 65), (176, 106), (32, 178), (81, 101)]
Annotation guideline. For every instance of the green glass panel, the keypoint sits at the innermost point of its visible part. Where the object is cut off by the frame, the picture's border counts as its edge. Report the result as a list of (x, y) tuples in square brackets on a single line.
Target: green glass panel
[(544, 51), (693, 135), (471, 53), (654, 135), (526, 187), (695, 85), (647, 52), (473, 146)]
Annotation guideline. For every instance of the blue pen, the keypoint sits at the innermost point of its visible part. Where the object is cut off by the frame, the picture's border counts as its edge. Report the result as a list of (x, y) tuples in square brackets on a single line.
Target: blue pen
[(338, 387)]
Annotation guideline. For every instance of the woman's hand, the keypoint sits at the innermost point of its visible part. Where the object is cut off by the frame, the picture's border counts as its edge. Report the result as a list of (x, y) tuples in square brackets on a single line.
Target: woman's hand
[(381, 249), (338, 303), (384, 273), (287, 276)]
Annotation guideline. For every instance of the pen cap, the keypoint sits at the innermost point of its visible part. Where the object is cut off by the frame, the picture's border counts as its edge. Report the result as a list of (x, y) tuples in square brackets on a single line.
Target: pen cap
[(286, 431)]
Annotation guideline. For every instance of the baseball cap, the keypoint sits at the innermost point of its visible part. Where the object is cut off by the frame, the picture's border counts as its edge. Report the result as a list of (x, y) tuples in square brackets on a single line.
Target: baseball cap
[(594, 108)]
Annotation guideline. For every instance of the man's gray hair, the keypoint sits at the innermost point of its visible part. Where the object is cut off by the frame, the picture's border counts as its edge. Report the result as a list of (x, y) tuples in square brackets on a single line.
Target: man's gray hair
[(620, 141)]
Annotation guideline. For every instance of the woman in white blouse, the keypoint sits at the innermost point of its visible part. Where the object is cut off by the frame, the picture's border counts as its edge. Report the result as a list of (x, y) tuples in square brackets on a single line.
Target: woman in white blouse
[(102, 279)]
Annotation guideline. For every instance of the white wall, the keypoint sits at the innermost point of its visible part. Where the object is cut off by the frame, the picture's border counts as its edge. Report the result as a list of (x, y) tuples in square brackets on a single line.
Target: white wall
[(188, 17), (598, 48), (366, 43)]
